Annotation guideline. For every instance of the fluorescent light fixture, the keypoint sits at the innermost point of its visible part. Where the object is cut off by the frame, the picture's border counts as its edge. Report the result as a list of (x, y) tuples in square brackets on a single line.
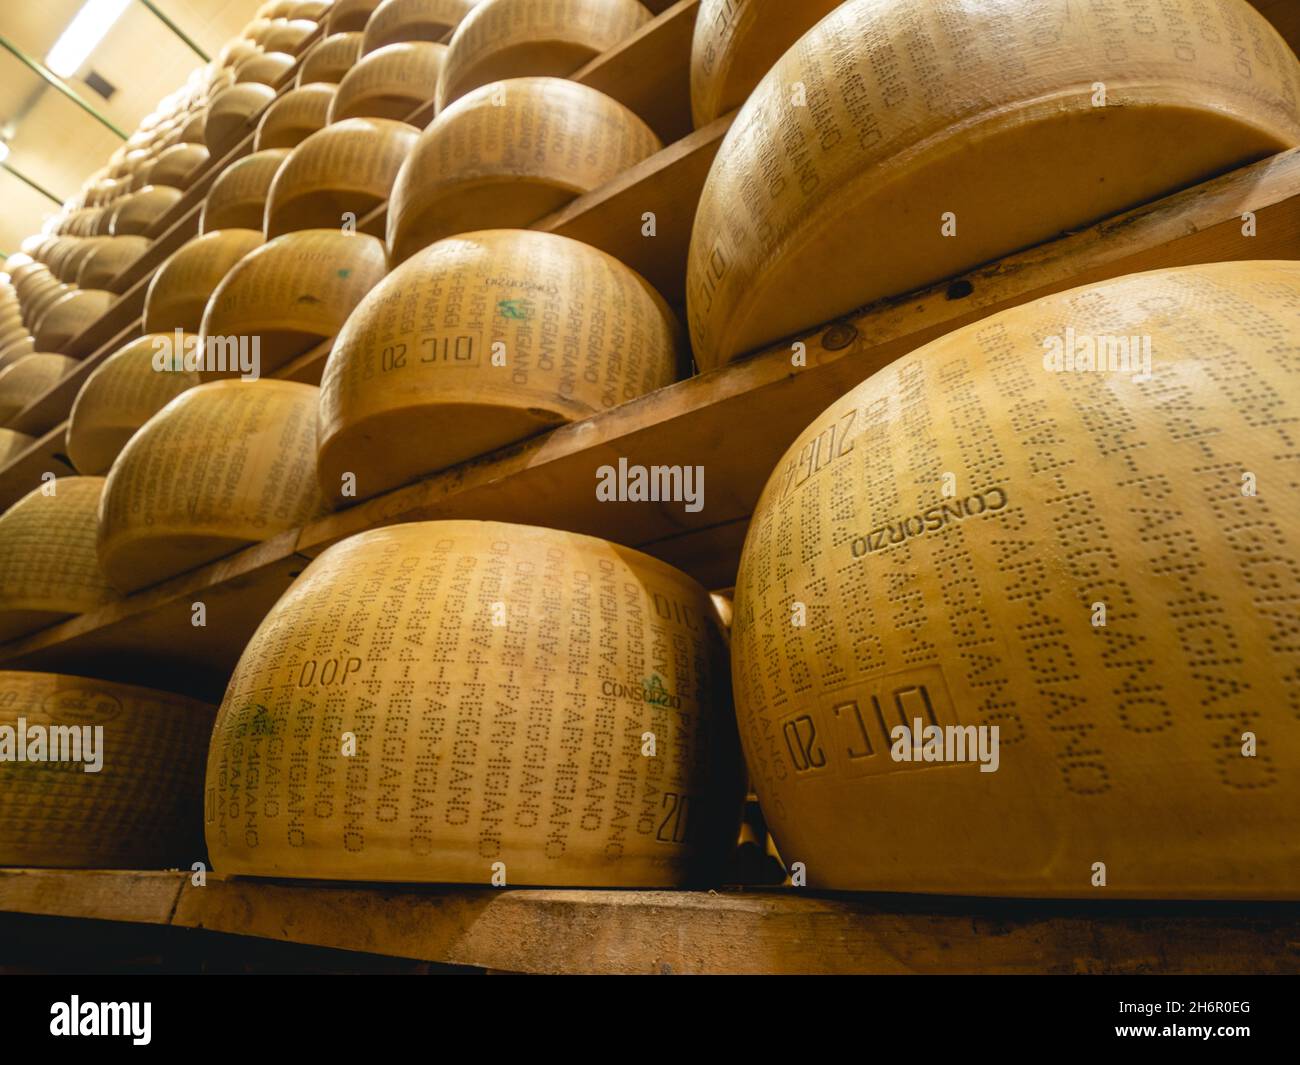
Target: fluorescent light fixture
[(83, 35), (4, 151)]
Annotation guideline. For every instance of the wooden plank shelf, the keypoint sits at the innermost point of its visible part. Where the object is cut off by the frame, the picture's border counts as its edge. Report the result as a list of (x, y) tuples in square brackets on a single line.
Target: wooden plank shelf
[(781, 931)]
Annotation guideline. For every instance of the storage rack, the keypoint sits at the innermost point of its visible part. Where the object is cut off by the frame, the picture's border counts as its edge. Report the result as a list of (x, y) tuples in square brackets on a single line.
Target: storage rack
[(548, 480)]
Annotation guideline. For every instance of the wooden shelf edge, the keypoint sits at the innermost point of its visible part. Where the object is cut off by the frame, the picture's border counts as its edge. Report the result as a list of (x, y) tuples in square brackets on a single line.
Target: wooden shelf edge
[(729, 931)]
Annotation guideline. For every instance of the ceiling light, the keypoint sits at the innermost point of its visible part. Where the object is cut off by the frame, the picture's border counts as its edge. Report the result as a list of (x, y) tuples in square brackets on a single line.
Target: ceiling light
[(83, 35)]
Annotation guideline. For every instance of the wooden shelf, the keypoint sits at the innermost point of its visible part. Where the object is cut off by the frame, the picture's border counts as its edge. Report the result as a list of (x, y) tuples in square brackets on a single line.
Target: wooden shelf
[(684, 932)]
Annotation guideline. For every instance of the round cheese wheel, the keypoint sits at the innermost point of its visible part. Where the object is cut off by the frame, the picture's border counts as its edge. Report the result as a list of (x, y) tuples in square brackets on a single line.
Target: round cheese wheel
[(395, 21), (346, 16), (122, 393), (231, 114), (330, 59), (289, 36), (390, 83), (222, 466), (109, 260), (13, 350), (737, 42), (457, 337), (543, 706), (178, 165), (13, 444), (1067, 521), (502, 39), (49, 570), (899, 143), (182, 286), (28, 378), (137, 213), (140, 808), (237, 199), (46, 297), (347, 168), (508, 154), (234, 52), (195, 129), (294, 116), (293, 292), (265, 68), (70, 316), (315, 10)]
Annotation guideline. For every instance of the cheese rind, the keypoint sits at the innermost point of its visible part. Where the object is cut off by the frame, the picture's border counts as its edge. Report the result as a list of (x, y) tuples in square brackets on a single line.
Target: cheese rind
[(1101, 564), (395, 21), (900, 143), (183, 284), (294, 116), (137, 213), (542, 706), (458, 337), (390, 82), (508, 154), (143, 806), (222, 466), (330, 59), (230, 115), (71, 315), (237, 199)]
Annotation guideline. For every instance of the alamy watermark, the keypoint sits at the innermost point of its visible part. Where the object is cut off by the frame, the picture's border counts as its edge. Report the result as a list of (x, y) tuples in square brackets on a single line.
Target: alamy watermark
[(947, 743), (1098, 353), (647, 484), (214, 354), (53, 743)]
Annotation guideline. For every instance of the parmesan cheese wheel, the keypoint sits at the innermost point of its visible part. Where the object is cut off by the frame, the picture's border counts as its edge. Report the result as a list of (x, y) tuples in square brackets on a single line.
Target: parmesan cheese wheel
[(503, 39), (71, 316), (1099, 563), (395, 21), (178, 165), (419, 352), (231, 114), (13, 350), (508, 154), (182, 286), (265, 68), (390, 83), (346, 16), (940, 134), (236, 51), (137, 213), (737, 42), (294, 292), (330, 59), (346, 168), (109, 260), (502, 685), (222, 466), (237, 199), (13, 444), (294, 116), (140, 809), (289, 36), (28, 378), (125, 391), (195, 129), (315, 10), (49, 570), (45, 298)]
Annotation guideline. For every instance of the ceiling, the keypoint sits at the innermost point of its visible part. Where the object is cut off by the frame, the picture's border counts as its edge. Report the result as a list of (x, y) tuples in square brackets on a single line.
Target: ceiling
[(52, 140)]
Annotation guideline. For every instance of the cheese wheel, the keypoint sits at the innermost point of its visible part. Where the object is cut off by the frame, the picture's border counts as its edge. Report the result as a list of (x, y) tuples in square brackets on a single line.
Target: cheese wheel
[(508, 154), (928, 118), (195, 129), (265, 68), (737, 42), (13, 444), (315, 10), (289, 36), (419, 352), (503, 39), (108, 261), (234, 52), (140, 809), (477, 743), (45, 298), (330, 59), (294, 116), (70, 316), (346, 168), (28, 378), (178, 165), (395, 21), (231, 114), (137, 213), (182, 286), (1098, 563), (346, 16), (49, 569), (390, 83), (73, 255), (293, 292), (222, 466), (237, 199), (122, 393), (13, 350)]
